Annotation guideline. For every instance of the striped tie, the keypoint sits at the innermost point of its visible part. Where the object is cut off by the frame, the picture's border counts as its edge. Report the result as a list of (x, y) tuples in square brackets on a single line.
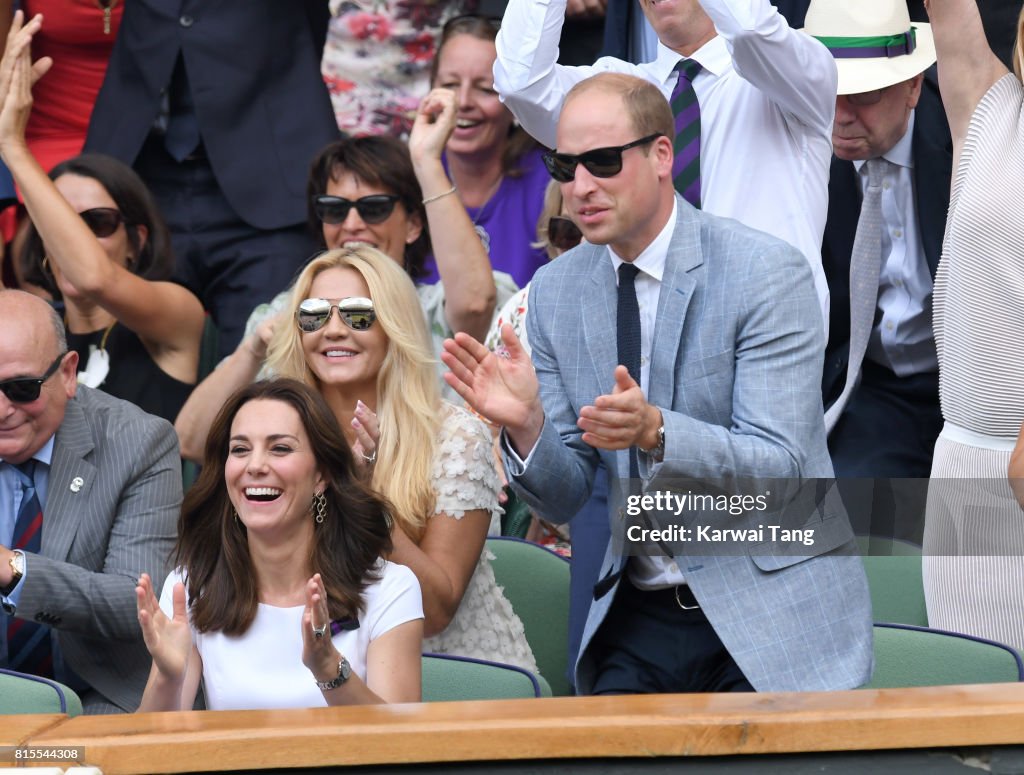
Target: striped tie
[(28, 643), (686, 168)]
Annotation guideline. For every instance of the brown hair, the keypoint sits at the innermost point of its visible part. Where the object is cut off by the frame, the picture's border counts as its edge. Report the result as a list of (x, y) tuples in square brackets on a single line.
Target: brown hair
[(519, 142), (212, 546), (648, 110)]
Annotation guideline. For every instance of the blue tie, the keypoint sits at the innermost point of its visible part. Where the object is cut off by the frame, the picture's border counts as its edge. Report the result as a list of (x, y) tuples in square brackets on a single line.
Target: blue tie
[(28, 643), (182, 136)]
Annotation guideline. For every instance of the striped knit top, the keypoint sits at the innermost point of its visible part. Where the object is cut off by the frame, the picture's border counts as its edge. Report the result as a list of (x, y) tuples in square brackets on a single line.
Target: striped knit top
[(978, 310)]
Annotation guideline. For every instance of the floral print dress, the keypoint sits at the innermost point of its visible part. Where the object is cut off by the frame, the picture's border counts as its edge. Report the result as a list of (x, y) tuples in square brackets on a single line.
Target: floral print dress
[(377, 58)]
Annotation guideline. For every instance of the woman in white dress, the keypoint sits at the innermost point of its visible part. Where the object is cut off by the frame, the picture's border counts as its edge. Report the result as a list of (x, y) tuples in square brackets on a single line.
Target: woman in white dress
[(974, 527), (358, 335), (280, 598)]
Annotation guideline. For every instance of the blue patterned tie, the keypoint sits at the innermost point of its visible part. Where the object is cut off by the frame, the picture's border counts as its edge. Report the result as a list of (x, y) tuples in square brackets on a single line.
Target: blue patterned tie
[(627, 336), (28, 643), (686, 166)]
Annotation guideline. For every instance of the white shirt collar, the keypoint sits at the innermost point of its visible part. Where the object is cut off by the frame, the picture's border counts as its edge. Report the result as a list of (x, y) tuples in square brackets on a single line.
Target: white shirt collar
[(713, 57), (651, 260)]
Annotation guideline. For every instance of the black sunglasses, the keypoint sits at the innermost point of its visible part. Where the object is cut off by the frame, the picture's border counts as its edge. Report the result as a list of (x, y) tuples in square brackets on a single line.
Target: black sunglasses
[(356, 312), (563, 233), (600, 162), (102, 221), (373, 209), (25, 390)]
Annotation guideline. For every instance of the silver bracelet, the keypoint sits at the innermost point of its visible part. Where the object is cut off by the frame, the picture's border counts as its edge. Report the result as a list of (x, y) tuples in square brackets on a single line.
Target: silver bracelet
[(434, 198)]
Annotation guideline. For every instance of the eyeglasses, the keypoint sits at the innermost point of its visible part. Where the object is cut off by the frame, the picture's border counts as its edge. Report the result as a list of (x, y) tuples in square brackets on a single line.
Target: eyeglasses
[(356, 312), (102, 221), (25, 390), (563, 233), (600, 162), (373, 209), (865, 98)]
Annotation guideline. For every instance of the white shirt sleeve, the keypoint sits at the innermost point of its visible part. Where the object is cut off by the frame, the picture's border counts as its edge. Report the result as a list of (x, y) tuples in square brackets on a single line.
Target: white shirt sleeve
[(793, 69), (394, 600)]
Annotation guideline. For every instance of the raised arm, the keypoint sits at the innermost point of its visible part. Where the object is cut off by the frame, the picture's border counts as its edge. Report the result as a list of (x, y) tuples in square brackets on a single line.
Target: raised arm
[(967, 66), (177, 667), (462, 260), (166, 316), (793, 69)]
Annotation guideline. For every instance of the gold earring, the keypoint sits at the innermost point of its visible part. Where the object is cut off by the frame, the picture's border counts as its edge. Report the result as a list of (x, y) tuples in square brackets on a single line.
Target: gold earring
[(319, 507)]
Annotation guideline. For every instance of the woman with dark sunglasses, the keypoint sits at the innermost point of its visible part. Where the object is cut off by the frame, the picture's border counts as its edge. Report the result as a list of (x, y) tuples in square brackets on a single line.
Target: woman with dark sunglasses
[(398, 199), (352, 330), (97, 243)]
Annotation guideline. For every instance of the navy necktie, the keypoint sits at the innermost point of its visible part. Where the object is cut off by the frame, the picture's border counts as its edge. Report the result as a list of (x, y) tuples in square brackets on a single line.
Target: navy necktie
[(182, 136), (28, 643), (628, 338)]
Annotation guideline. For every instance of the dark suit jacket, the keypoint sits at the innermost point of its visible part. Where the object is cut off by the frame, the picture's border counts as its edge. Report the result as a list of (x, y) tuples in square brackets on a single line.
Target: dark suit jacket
[(254, 71), (933, 160)]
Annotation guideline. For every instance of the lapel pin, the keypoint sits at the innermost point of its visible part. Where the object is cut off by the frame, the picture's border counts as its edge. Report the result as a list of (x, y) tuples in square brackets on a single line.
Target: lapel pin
[(76, 484)]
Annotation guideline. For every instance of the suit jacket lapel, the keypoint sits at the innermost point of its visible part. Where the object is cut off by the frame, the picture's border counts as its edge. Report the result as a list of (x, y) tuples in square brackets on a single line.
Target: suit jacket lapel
[(66, 498), (677, 284)]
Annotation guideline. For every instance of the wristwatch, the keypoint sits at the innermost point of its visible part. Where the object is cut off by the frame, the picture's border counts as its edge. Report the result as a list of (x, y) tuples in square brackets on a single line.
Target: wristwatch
[(17, 562), (344, 672), (657, 452)]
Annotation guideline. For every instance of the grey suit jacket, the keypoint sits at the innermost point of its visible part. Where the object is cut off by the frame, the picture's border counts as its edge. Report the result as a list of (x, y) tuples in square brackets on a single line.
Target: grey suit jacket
[(736, 370), (98, 538)]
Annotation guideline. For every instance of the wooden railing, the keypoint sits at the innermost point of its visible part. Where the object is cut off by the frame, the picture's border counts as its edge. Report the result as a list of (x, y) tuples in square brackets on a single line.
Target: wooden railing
[(578, 727)]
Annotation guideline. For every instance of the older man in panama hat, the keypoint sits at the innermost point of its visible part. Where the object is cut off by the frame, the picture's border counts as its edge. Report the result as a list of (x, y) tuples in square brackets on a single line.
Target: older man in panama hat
[(888, 196)]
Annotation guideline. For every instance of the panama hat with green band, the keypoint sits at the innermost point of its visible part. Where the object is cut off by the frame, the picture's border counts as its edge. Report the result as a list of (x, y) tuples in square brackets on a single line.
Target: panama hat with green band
[(873, 41)]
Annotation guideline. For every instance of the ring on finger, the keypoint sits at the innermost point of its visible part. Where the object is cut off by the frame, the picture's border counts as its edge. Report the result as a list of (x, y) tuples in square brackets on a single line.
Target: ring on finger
[(371, 458), (319, 632)]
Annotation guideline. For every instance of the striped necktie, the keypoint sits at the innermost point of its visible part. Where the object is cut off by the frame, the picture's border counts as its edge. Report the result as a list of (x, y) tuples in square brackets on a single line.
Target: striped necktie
[(28, 643), (686, 108)]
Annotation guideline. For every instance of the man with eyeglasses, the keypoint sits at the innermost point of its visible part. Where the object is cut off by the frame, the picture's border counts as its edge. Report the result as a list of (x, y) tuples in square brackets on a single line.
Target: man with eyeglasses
[(90, 489), (757, 95), (888, 197), (675, 348)]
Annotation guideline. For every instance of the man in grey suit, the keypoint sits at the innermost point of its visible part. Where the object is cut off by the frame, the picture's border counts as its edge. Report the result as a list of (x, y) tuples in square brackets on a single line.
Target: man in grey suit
[(102, 480), (727, 357)]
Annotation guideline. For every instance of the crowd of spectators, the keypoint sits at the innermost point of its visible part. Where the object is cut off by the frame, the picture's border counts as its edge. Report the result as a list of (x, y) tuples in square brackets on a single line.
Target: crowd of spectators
[(382, 270)]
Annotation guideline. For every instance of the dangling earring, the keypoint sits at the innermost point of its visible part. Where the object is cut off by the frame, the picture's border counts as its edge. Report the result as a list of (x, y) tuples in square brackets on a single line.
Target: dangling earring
[(319, 507)]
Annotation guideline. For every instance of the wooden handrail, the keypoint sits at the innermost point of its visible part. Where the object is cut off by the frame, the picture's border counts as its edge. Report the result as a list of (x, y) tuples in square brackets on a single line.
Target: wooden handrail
[(570, 727)]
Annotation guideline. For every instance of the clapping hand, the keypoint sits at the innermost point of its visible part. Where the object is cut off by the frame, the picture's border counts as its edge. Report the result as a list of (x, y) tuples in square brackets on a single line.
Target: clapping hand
[(318, 651), (169, 640), (504, 389), (367, 436)]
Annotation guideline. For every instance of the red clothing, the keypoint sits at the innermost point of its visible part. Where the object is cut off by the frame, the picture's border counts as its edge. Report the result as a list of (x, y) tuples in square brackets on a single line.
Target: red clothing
[(73, 35)]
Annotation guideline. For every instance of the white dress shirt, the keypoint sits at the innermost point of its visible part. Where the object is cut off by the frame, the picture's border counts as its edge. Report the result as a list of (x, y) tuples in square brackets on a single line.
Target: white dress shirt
[(902, 338), (767, 102)]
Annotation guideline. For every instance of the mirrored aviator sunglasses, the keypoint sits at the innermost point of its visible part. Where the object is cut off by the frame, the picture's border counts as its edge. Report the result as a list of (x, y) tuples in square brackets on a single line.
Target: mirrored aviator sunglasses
[(102, 221), (373, 209), (600, 162), (563, 233), (356, 312)]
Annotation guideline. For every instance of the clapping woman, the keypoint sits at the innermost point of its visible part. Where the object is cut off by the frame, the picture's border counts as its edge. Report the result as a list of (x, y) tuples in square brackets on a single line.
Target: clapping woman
[(356, 334), (280, 598)]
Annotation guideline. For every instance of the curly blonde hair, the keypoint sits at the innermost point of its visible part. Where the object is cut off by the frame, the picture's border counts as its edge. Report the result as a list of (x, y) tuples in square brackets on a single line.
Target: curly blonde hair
[(408, 396)]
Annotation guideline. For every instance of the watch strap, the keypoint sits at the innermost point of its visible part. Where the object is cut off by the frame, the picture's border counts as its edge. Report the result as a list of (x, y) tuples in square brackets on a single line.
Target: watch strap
[(344, 673)]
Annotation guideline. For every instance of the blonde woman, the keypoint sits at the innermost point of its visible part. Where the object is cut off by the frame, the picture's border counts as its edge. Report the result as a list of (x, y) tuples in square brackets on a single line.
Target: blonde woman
[(359, 337)]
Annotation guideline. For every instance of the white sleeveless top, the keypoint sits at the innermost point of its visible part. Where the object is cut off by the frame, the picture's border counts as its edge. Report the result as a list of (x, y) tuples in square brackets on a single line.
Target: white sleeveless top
[(979, 285)]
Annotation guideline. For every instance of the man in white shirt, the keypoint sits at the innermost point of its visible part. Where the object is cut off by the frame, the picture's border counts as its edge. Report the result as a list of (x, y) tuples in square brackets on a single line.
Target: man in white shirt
[(674, 345), (766, 95)]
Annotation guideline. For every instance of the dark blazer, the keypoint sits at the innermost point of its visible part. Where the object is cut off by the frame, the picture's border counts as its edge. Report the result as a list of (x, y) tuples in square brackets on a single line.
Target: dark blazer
[(933, 162), (254, 71)]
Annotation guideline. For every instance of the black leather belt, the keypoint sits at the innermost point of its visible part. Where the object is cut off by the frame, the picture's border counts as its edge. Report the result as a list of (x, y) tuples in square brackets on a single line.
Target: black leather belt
[(678, 597)]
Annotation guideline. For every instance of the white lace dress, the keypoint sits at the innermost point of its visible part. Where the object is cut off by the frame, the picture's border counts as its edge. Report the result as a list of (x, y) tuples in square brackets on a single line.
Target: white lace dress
[(485, 626)]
